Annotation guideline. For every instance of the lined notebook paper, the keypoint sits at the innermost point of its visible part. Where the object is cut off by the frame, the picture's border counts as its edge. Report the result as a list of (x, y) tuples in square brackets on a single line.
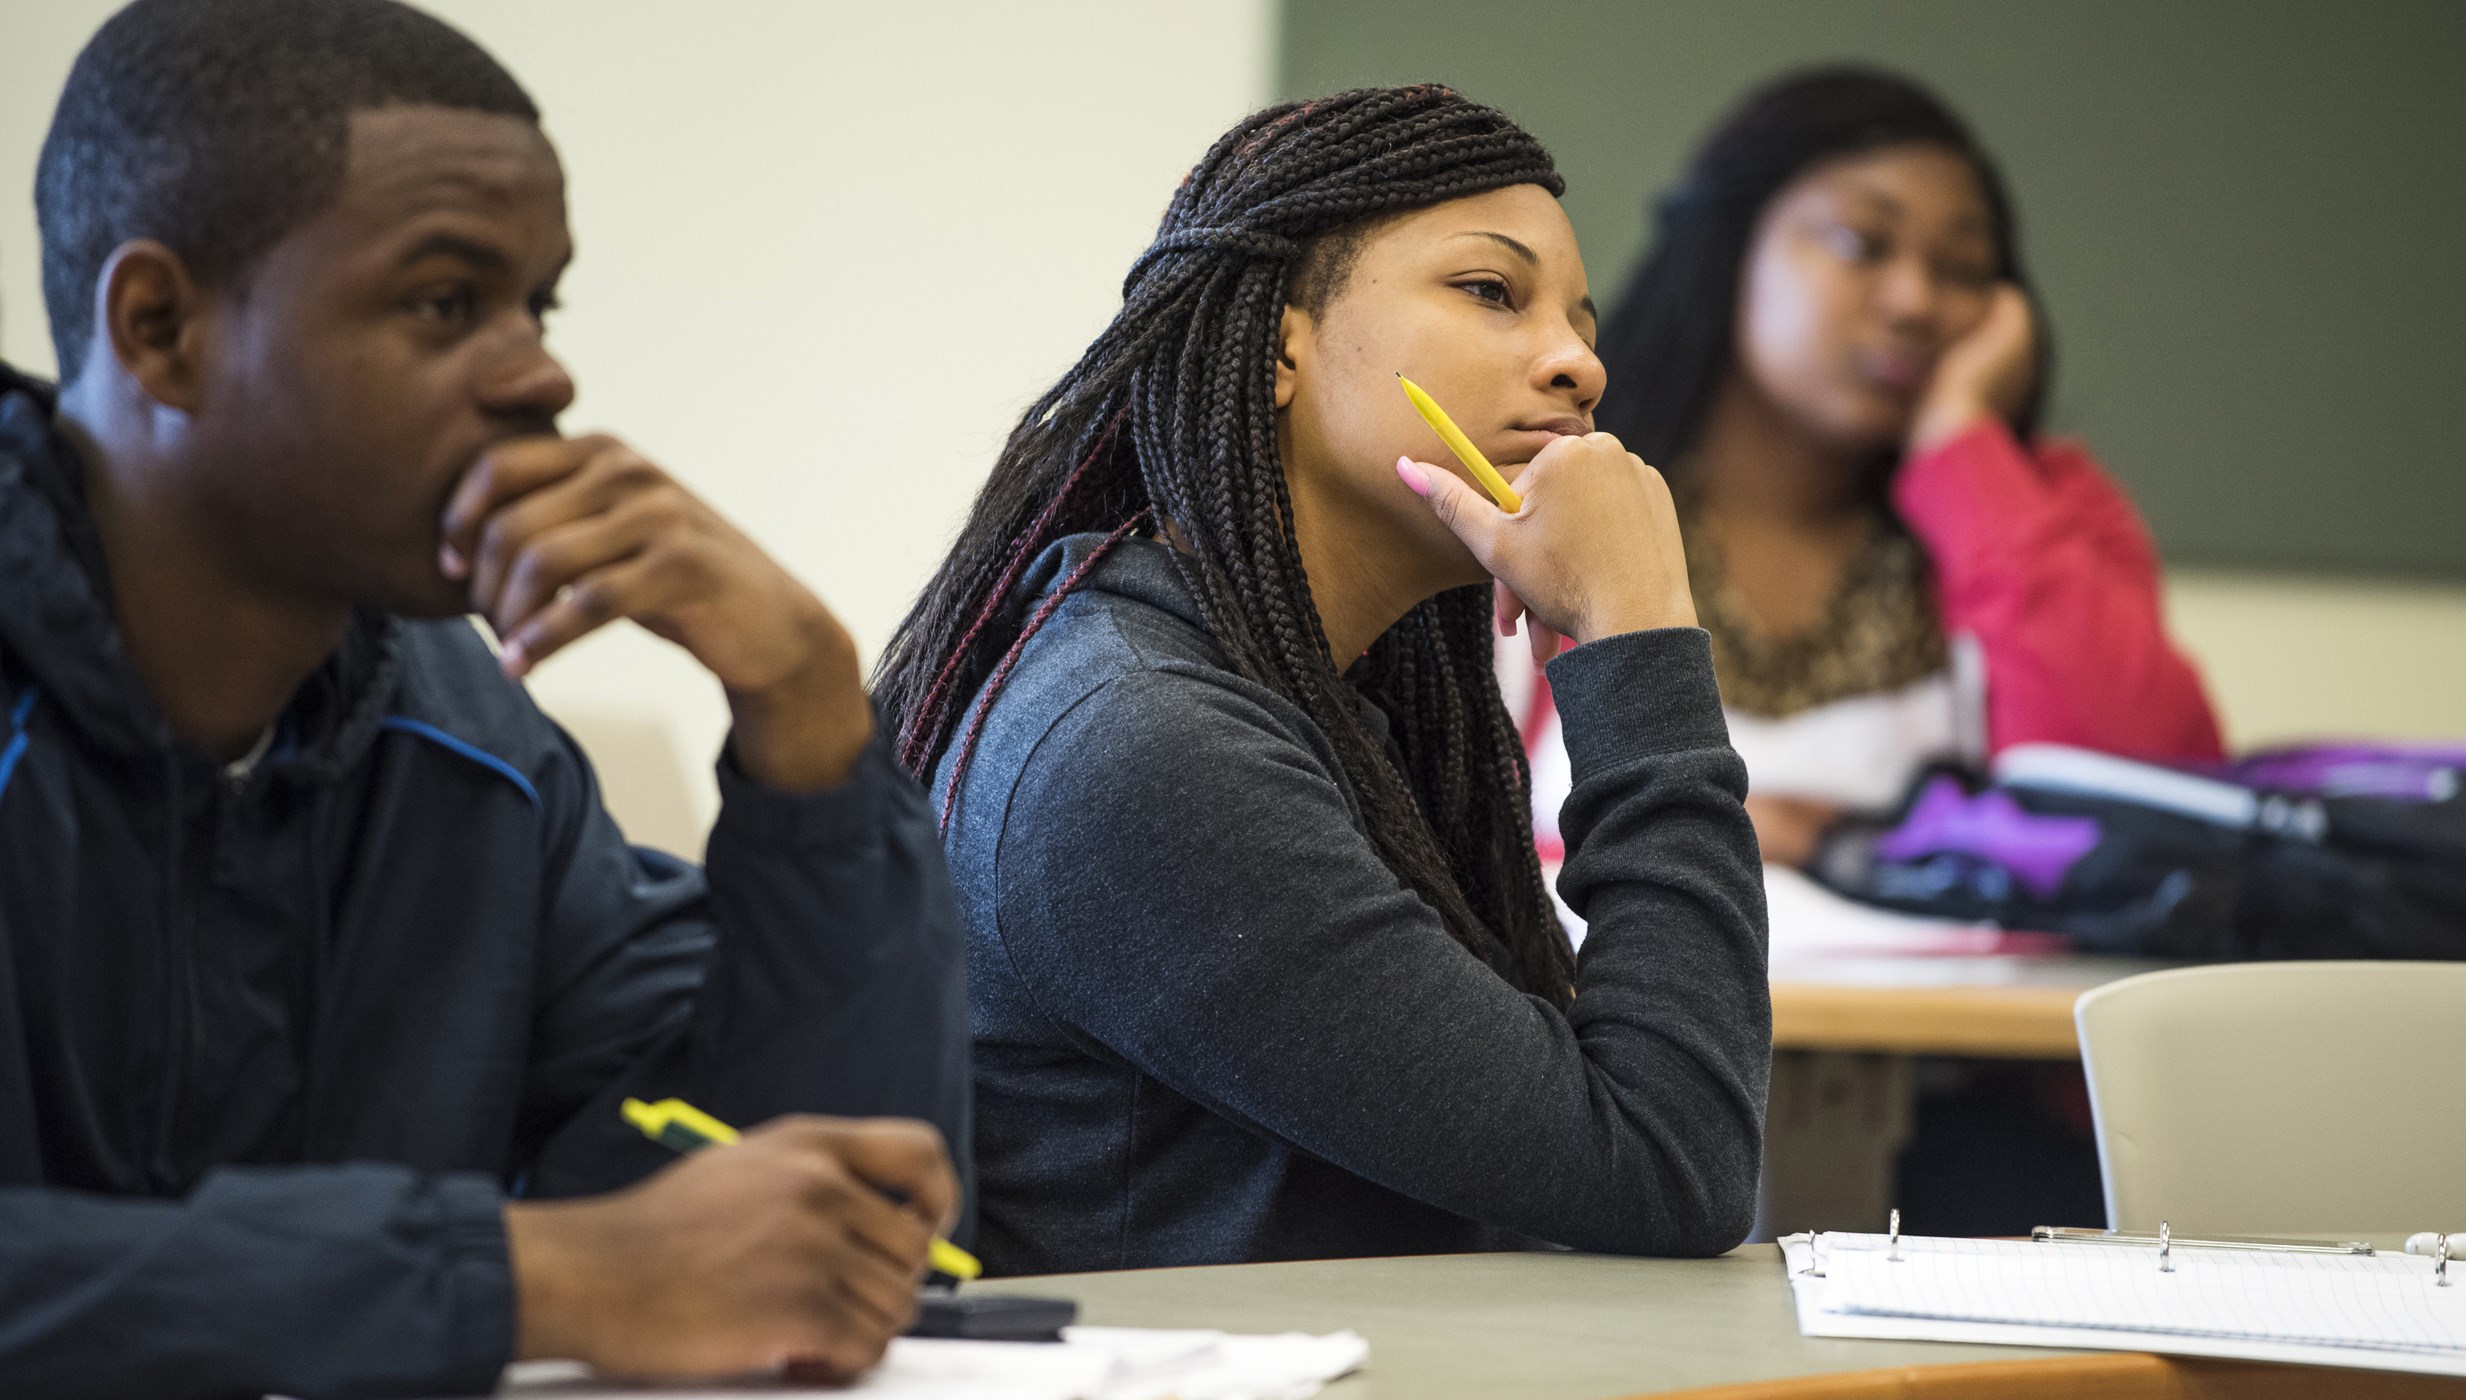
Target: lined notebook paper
[(2383, 1311)]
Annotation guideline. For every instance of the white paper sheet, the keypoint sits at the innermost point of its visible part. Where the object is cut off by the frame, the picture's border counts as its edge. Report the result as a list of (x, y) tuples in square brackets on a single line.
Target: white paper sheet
[(1809, 921), (2381, 1311), (1089, 1363)]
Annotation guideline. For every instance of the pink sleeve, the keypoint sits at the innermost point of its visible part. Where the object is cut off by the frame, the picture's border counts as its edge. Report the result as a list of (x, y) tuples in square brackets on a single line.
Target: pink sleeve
[(2043, 560)]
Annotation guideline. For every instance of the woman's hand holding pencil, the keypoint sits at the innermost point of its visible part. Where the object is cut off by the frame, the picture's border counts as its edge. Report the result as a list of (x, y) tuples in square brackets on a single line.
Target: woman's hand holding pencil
[(1592, 550)]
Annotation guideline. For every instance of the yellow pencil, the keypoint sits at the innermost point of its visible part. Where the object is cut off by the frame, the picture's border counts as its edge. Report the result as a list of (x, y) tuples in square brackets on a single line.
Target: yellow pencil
[(1462, 446), (674, 1123)]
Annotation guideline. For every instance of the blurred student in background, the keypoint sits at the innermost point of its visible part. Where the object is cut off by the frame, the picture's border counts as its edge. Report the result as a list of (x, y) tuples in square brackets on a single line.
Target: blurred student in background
[(1832, 350)]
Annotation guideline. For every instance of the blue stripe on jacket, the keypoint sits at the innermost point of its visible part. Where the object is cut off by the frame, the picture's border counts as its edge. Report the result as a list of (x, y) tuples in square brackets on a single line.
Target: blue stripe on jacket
[(18, 715), (407, 725)]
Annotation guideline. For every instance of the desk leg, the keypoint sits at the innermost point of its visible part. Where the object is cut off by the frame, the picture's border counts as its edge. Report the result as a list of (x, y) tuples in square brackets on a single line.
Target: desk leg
[(1834, 1124)]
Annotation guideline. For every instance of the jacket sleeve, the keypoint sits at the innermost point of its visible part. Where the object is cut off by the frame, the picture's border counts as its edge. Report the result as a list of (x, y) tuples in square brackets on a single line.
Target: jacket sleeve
[(358, 1280), (1189, 888), (816, 968), (2045, 563)]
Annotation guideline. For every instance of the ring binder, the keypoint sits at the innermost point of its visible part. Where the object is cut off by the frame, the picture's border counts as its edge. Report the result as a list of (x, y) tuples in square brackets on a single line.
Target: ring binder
[(2262, 1300), (2062, 1234)]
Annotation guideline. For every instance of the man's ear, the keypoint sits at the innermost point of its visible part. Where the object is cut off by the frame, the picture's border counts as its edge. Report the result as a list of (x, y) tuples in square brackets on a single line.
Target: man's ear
[(150, 313), (1295, 337)]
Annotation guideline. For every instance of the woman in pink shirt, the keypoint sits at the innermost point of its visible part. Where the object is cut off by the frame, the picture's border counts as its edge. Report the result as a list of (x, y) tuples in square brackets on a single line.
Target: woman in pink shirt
[(1833, 353)]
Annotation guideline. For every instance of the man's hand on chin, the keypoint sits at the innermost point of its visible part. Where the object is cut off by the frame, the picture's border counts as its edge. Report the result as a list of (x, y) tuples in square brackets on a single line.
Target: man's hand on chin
[(557, 537)]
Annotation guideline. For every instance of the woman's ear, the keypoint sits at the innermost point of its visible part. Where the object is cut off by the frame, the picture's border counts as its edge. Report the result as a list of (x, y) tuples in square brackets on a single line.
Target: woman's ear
[(148, 312), (1295, 336)]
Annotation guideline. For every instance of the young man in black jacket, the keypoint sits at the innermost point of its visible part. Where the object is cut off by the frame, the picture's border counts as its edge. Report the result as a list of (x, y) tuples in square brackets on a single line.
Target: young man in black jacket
[(322, 970)]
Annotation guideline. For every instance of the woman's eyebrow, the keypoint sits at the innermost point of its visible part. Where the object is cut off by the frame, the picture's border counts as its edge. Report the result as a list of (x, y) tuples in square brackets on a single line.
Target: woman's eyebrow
[(1880, 200), (1530, 257)]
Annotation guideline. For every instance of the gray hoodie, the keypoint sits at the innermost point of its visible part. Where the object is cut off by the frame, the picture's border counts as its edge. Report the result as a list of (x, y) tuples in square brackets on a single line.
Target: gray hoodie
[(1211, 1026)]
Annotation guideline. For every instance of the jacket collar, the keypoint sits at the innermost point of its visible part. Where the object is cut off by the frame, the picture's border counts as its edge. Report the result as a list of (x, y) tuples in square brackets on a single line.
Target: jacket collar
[(56, 619)]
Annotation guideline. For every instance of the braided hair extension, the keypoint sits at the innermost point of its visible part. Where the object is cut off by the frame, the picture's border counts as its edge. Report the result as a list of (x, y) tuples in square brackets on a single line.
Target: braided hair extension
[(1169, 419), (1010, 658)]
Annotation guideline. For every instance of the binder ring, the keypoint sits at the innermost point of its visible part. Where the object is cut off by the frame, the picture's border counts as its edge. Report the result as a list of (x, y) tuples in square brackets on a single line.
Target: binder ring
[(2440, 1266), (2166, 1248), (1895, 1256)]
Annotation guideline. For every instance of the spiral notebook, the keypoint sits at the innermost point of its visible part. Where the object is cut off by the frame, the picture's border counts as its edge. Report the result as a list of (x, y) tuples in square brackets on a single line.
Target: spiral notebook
[(2321, 1307)]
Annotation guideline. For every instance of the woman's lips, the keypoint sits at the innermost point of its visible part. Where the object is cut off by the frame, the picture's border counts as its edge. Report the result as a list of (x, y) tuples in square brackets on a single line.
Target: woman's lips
[(1566, 425), (1524, 442), (1898, 369)]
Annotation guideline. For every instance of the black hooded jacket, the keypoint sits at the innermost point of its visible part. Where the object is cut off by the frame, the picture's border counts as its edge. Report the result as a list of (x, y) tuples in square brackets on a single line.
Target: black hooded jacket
[(274, 1049)]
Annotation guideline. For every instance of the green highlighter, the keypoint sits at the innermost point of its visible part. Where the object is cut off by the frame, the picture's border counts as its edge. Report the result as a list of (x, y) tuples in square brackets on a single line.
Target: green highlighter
[(681, 1127)]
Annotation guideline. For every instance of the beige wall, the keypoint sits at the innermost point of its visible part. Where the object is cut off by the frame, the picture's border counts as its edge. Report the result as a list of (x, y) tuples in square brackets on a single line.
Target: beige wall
[(826, 254), (2290, 658)]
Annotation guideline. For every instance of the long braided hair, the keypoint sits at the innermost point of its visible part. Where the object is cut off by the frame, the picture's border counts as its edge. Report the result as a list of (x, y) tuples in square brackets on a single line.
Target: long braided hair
[(1169, 421)]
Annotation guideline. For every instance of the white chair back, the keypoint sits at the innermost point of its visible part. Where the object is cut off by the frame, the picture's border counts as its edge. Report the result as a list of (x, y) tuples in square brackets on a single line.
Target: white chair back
[(2281, 1098)]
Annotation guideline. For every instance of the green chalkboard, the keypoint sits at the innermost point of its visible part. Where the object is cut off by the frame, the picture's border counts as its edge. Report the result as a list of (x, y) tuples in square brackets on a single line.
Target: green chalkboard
[(2248, 217)]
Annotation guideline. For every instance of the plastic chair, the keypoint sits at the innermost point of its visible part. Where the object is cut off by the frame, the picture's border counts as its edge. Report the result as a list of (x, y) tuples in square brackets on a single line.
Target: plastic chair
[(2311, 1098)]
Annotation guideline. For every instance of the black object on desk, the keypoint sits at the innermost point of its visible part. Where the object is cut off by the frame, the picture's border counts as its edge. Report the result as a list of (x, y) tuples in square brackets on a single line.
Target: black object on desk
[(991, 1317)]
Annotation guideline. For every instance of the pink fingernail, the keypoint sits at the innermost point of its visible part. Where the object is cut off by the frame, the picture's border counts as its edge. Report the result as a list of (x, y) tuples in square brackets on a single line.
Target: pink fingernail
[(449, 562), (514, 658), (1416, 480)]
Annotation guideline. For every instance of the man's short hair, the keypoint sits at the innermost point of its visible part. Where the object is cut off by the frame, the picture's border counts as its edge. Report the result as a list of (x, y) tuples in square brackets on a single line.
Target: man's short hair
[(217, 126)]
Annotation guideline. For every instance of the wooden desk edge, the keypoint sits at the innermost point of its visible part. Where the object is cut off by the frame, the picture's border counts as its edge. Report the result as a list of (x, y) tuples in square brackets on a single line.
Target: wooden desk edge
[(2033, 1023), (2113, 1376)]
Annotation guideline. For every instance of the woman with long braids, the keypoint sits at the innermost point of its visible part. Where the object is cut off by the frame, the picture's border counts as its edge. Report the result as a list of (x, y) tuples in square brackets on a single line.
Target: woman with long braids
[(1262, 962), (1831, 347)]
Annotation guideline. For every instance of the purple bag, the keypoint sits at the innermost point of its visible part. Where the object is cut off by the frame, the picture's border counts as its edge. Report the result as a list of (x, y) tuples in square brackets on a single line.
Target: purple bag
[(2405, 772), (2322, 850)]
